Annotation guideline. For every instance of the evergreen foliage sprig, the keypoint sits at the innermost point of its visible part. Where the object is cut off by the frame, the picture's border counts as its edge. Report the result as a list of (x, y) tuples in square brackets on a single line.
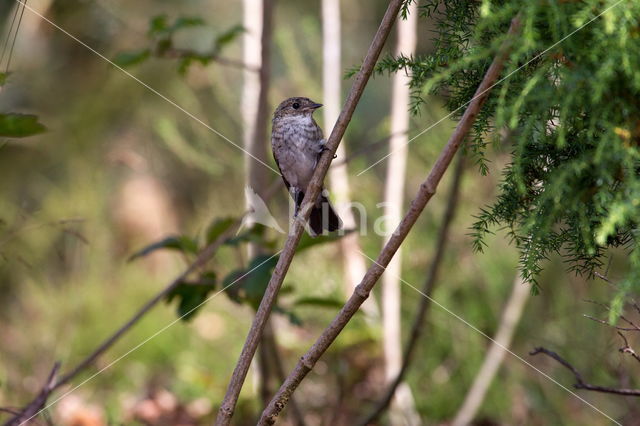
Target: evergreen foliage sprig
[(569, 102)]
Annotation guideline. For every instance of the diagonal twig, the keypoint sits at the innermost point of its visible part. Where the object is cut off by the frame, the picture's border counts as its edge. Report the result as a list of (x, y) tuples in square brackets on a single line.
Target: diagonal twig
[(601, 321), (272, 346), (634, 326), (425, 193), (35, 406), (313, 190), (580, 383), (626, 349), (32, 409), (178, 53)]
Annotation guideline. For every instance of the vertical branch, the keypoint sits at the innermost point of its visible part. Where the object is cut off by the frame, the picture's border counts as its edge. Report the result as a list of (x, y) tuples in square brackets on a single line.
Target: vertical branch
[(270, 341), (254, 108), (258, 16), (425, 193), (417, 327), (393, 206), (353, 262), (258, 174), (264, 379), (313, 190), (492, 361)]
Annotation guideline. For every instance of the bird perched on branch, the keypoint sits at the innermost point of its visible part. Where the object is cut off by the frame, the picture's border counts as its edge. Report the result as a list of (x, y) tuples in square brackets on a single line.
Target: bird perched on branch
[(297, 143)]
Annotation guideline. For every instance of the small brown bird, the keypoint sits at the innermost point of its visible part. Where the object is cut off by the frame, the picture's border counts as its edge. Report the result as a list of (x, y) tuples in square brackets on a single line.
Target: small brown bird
[(297, 143)]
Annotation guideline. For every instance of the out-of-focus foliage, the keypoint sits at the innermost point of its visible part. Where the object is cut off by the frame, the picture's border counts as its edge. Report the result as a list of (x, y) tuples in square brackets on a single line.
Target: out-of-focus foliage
[(161, 33), (568, 101), (245, 285), (120, 168), (14, 125)]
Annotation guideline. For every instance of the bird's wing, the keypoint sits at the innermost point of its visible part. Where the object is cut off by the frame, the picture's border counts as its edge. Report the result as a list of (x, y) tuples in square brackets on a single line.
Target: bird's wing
[(319, 136), (297, 194), (281, 174)]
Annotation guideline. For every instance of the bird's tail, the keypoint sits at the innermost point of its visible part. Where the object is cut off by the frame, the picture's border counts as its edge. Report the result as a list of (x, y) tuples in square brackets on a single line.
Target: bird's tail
[(323, 217)]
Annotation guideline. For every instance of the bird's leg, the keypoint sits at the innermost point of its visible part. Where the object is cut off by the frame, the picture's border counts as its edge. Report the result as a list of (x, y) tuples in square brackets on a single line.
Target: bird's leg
[(297, 199)]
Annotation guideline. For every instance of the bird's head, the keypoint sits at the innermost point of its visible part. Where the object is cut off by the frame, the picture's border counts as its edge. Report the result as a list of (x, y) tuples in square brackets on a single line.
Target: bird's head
[(296, 107)]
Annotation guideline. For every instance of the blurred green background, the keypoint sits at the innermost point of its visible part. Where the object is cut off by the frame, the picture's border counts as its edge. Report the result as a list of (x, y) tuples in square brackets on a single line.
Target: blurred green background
[(120, 167)]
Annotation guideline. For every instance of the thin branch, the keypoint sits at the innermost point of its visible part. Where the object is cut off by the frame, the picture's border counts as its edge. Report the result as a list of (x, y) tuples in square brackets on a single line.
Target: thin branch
[(495, 355), (417, 328), (34, 408), (201, 260), (269, 339), (177, 53), (264, 373), (601, 321), (205, 255), (622, 317), (580, 383), (425, 193), (15, 37), (313, 190), (626, 349)]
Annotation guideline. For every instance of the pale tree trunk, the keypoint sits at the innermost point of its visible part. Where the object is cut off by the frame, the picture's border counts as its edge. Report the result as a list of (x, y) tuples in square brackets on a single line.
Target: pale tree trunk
[(257, 16), (353, 263), (508, 323), (402, 411), (254, 105)]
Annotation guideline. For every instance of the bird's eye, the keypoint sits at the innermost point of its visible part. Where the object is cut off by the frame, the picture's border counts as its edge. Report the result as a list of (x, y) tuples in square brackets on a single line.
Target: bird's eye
[(295, 105)]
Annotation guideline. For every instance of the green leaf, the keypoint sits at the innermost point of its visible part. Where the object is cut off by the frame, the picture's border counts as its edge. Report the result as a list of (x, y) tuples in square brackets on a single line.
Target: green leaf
[(258, 276), (218, 227), (130, 58), (248, 285), (181, 243), (232, 285), (191, 296), (323, 302), (19, 125), (185, 22), (307, 242), (3, 78), (228, 36), (254, 234), (293, 318), (158, 24)]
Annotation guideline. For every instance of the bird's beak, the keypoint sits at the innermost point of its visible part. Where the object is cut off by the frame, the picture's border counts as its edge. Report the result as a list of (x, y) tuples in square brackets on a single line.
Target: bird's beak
[(316, 106)]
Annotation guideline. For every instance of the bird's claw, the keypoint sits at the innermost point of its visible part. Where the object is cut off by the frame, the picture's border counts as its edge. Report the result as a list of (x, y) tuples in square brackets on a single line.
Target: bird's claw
[(324, 148)]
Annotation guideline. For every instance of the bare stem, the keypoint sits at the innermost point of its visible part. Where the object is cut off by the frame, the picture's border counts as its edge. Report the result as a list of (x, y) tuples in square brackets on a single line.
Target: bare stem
[(175, 53), (417, 328), (269, 339), (34, 407), (580, 383), (313, 190), (425, 193), (626, 349)]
